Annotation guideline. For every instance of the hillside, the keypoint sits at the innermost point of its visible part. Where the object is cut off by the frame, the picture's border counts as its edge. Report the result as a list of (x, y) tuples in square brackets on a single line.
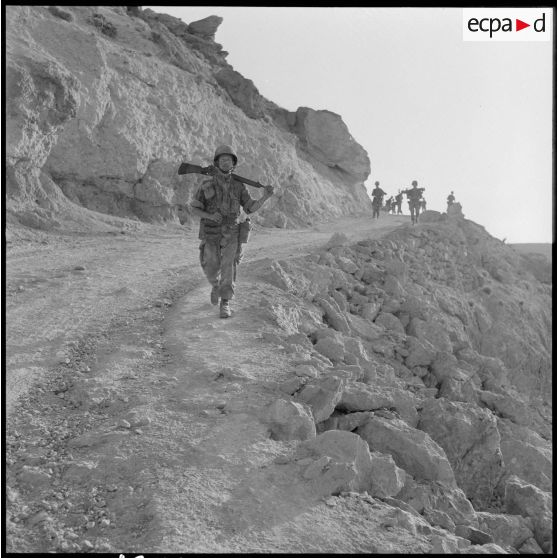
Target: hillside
[(104, 103)]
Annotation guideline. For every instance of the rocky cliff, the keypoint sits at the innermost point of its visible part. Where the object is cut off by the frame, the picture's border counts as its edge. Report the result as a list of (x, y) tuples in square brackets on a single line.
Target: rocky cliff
[(433, 345), (103, 103)]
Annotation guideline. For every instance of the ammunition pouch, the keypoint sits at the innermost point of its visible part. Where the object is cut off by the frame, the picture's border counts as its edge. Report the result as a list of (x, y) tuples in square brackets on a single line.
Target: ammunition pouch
[(244, 231)]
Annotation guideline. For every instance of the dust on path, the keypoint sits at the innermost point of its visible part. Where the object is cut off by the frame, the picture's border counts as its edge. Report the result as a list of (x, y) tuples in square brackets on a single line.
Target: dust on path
[(149, 437)]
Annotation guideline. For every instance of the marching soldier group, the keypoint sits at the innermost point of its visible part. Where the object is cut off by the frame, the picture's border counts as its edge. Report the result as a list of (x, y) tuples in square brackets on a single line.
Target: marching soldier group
[(417, 203)]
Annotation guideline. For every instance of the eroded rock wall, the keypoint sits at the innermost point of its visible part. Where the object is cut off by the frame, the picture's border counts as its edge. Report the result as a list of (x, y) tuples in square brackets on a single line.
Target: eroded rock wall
[(103, 105)]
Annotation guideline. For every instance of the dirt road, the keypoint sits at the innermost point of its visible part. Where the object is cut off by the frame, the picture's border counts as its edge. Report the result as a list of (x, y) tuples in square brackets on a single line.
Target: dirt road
[(134, 412)]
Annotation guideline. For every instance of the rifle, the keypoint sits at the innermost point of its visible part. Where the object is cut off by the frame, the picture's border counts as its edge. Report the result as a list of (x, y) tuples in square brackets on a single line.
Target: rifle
[(188, 168)]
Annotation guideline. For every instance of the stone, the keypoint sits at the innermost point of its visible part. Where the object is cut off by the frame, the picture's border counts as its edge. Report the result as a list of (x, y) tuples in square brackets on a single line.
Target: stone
[(421, 352), (506, 530), (331, 349), (423, 495), (325, 136), (431, 332), (437, 517), (349, 465), (292, 385), (355, 351), (316, 467), (362, 397), (333, 315), (347, 265), (476, 536), (528, 461), (507, 406), (530, 546), (390, 323), (206, 27), (370, 310), (413, 450), (527, 500), (322, 396), (470, 438), (386, 478), (360, 327), (336, 239), (289, 420)]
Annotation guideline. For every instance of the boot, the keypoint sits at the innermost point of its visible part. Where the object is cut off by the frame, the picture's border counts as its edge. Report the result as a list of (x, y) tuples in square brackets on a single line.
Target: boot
[(214, 296), (225, 309)]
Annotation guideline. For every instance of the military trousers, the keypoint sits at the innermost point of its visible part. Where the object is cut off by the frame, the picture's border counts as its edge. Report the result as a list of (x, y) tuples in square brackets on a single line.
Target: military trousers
[(219, 256)]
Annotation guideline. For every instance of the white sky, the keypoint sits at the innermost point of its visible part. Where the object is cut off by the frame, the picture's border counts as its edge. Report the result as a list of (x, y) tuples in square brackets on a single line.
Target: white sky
[(472, 117)]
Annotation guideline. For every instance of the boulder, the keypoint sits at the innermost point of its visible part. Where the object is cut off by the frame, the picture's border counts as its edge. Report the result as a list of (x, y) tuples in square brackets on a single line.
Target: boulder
[(355, 353), (206, 27), (390, 323), (333, 314), (434, 333), (348, 467), (471, 441), (476, 536), (529, 501), (322, 396), (421, 352), (358, 396), (324, 135), (529, 462), (439, 518), (331, 349), (413, 450), (530, 546), (507, 406), (506, 530), (386, 478), (364, 328), (433, 495), (289, 420)]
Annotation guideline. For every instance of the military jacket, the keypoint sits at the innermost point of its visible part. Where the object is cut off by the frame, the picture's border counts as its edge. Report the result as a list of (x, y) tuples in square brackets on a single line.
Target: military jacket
[(223, 195)]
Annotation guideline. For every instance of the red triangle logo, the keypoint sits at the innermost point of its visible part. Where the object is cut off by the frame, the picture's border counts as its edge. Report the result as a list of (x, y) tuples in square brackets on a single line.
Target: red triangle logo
[(519, 25)]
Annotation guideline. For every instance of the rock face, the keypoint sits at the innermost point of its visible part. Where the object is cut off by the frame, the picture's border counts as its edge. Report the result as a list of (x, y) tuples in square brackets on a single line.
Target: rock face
[(103, 104), (434, 346)]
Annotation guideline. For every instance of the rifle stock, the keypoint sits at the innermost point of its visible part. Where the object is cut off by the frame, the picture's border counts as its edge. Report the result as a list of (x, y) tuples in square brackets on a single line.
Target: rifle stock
[(189, 168)]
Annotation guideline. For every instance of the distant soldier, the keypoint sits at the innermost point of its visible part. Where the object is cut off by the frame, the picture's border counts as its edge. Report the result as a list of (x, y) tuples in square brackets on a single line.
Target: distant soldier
[(377, 199), (388, 204), (393, 206), (451, 199), (413, 195), (422, 204), (398, 200)]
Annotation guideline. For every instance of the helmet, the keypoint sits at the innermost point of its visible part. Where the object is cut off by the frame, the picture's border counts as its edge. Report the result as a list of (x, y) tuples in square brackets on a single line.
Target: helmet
[(376, 183), (414, 182), (224, 150)]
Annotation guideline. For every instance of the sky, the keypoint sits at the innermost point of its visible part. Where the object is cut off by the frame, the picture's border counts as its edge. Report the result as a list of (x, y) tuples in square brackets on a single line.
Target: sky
[(472, 117)]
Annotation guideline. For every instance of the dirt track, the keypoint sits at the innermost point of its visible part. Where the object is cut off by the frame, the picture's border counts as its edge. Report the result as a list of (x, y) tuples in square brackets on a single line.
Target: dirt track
[(133, 410)]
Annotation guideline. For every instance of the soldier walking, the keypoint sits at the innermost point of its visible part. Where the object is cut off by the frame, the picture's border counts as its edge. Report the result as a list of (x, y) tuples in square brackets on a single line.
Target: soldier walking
[(217, 202), (450, 199), (377, 198), (413, 195), (398, 200)]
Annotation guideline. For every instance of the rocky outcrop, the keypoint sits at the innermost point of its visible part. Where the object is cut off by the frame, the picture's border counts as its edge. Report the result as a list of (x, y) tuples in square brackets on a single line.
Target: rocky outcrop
[(103, 104), (416, 339)]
